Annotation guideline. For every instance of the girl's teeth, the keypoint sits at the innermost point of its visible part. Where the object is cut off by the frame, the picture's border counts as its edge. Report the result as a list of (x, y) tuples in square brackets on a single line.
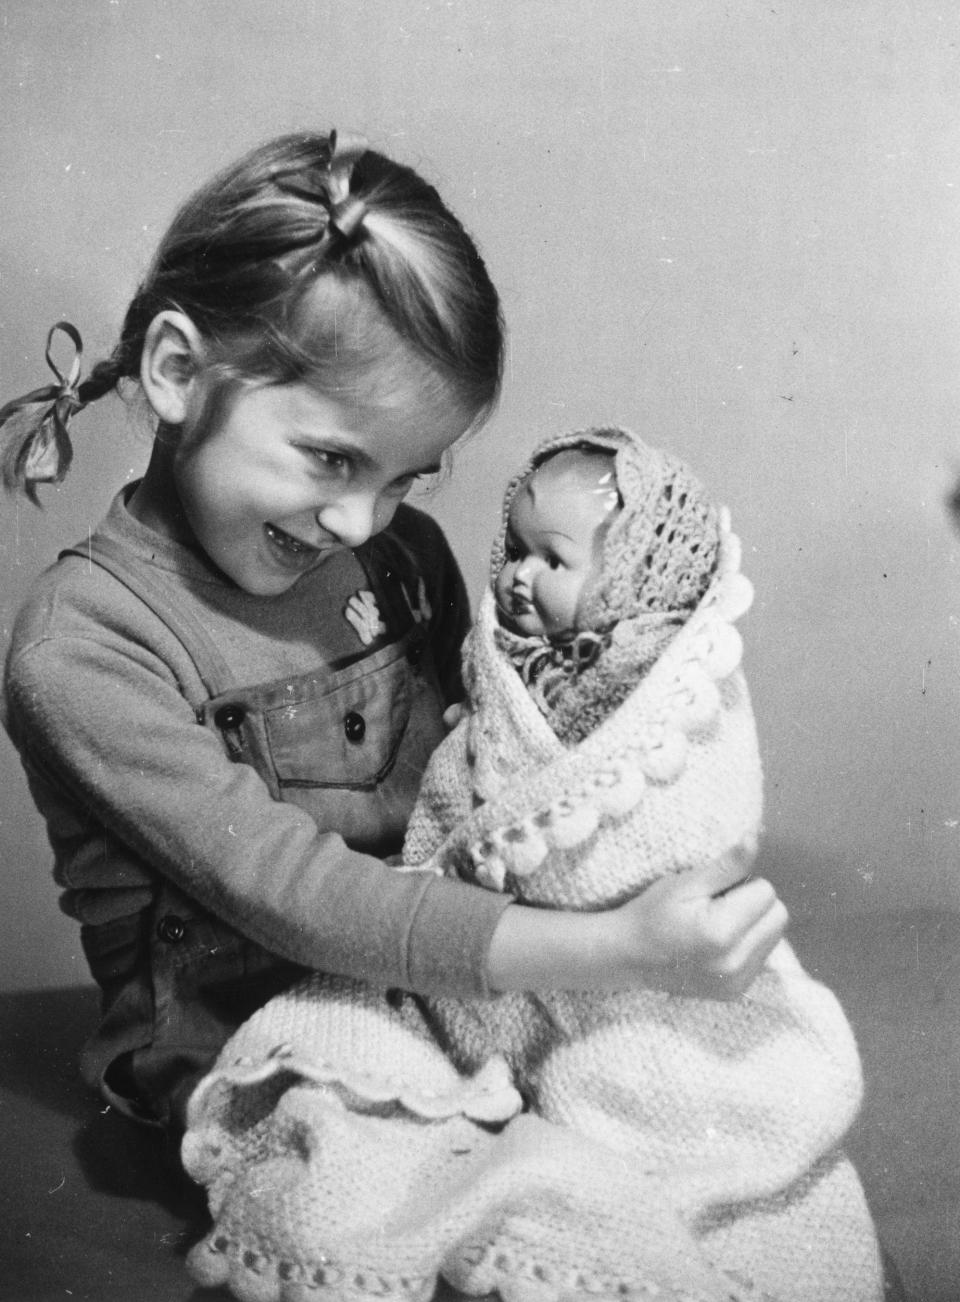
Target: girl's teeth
[(285, 541)]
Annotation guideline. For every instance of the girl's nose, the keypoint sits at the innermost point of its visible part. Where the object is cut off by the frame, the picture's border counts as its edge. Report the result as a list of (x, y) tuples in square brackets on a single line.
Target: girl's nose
[(351, 520)]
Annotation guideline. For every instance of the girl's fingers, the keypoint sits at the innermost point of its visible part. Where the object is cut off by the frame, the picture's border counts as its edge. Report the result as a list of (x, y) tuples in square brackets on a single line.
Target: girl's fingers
[(745, 959), (722, 875), (742, 905)]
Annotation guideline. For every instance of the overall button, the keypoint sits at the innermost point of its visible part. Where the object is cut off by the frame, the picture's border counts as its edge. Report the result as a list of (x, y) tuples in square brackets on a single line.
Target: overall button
[(171, 929), (229, 716), (355, 726)]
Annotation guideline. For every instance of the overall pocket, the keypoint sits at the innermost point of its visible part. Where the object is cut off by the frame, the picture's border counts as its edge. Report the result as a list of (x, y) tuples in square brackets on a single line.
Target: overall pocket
[(343, 734)]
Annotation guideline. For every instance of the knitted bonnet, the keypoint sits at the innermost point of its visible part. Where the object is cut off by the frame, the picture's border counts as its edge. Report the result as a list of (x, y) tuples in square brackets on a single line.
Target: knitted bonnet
[(661, 551)]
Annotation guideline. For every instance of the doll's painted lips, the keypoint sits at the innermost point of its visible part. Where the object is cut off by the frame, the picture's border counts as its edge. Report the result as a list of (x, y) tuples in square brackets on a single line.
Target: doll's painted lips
[(512, 609), (519, 605)]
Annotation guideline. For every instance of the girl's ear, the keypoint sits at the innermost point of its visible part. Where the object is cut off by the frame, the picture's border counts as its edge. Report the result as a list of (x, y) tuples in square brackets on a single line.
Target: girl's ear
[(169, 365)]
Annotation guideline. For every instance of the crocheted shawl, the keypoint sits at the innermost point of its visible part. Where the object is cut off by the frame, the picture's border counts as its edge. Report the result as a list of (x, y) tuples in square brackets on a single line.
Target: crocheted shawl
[(672, 1147)]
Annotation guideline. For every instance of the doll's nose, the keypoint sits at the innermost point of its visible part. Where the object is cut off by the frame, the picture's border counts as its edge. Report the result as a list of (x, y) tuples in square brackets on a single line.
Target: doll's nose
[(523, 574)]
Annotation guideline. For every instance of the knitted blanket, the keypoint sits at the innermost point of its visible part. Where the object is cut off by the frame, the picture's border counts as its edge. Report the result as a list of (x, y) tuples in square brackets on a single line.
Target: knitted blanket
[(748, 1099), (671, 1147), (344, 1157)]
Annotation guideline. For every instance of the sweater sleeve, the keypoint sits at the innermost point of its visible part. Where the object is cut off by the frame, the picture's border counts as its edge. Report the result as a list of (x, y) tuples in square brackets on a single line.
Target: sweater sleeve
[(106, 735)]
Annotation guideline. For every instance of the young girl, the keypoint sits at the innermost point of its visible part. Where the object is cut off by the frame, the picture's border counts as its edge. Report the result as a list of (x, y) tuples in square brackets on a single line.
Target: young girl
[(609, 744), (225, 698)]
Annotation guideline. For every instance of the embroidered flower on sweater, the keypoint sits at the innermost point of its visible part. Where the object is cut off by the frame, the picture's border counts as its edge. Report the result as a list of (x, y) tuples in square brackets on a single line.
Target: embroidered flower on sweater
[(363, 615)]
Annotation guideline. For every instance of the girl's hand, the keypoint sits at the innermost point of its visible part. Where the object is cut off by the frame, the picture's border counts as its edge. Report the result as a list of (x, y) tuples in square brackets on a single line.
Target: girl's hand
[(706, 932)]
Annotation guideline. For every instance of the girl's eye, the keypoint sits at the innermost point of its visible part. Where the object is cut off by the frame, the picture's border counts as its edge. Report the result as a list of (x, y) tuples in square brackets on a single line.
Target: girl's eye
[(333, 462), (423, 479), (554, 562), (511, 551)]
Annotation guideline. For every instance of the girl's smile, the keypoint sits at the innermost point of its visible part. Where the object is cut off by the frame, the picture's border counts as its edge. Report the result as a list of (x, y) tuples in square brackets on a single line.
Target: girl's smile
[(293, 552)]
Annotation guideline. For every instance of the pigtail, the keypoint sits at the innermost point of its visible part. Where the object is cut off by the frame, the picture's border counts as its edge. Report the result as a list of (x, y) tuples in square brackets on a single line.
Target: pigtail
[(35, 445)]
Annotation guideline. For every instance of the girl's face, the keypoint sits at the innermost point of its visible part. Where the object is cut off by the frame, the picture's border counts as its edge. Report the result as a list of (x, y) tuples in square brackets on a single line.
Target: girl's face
[(554, 549), (291, 475)]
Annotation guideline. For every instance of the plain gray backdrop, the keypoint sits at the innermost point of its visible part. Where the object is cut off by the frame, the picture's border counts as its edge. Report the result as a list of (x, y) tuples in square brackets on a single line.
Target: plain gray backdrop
[(732, 226)]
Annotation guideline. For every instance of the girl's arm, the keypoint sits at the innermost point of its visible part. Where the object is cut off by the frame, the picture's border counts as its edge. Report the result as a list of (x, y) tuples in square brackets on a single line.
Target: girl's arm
[(132, 786), (706, 932), (169, 800)]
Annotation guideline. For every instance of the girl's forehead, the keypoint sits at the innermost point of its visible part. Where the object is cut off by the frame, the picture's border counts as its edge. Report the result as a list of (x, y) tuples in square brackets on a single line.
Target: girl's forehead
[(357, 354), (416, 430), (401, 394)]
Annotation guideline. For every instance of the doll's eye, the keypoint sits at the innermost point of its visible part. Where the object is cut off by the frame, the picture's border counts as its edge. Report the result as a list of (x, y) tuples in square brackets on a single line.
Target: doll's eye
[(511, 550), (554, 562)]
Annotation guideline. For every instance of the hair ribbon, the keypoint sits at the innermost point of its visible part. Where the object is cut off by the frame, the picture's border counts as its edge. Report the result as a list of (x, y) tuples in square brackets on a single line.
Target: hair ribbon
[(345, 211), (46, 456)]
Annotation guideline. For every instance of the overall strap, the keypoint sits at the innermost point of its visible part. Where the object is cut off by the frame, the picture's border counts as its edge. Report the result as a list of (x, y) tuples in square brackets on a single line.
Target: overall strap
[(144, 583)]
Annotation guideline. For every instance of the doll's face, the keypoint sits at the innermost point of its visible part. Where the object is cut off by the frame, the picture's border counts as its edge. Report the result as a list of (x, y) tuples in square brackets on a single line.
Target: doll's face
[(554, 544)]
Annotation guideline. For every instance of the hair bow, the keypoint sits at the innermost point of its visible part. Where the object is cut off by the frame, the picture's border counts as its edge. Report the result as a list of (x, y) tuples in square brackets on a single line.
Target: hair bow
[(44, 456), (345, 211)]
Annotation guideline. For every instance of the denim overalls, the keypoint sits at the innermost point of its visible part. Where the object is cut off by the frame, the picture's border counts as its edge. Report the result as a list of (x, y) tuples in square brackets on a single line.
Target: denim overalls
[(348, 745)]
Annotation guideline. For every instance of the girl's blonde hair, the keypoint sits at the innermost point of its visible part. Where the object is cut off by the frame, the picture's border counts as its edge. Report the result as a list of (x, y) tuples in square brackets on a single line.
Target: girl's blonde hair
[(311, 258)]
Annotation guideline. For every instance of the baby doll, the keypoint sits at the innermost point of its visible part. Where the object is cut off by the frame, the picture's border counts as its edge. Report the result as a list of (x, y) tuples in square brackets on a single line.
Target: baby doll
[(608, 740)]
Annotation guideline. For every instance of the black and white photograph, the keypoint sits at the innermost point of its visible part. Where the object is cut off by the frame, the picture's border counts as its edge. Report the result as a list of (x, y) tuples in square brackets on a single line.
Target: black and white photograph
[(480, 611)]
